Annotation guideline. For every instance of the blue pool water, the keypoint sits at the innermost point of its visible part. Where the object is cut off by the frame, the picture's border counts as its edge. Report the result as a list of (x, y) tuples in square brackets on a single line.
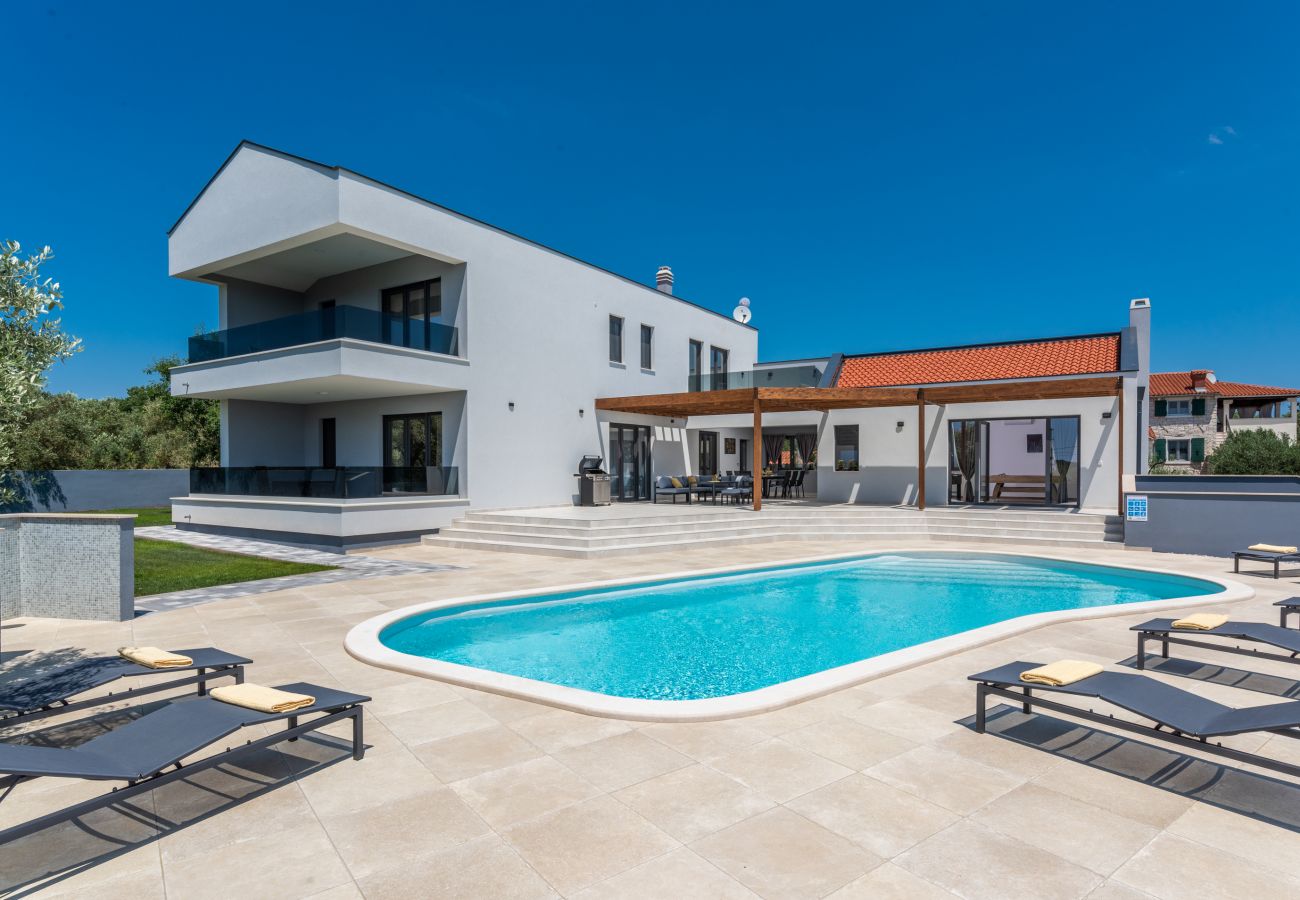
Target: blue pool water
[(714, 636)]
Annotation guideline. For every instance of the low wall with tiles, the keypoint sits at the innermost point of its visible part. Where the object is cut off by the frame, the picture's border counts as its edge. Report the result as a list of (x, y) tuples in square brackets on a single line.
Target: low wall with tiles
[(67, 566), (1214, 515)]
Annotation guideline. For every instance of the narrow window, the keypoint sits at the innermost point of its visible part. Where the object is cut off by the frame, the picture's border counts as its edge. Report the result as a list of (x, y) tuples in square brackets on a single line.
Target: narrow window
[(846, 448), (694, 365), (328, 444), (647, 347), (1178, 450), (718, 368), (615, 339)]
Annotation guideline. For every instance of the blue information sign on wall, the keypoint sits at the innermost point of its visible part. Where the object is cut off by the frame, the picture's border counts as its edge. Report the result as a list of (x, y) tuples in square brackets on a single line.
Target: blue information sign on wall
[(1136, 508)]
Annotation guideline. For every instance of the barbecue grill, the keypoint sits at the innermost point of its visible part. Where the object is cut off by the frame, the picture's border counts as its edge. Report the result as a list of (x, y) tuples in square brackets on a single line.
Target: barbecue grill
[(593, 482)]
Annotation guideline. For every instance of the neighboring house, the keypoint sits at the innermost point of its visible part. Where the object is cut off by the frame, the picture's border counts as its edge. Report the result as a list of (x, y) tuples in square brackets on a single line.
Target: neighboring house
[(384, 364), (1193, 412)]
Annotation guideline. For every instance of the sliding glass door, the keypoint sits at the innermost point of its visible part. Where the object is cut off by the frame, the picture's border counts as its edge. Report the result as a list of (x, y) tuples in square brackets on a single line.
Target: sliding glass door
[(1014, 462), (412, 444), (629, 462)]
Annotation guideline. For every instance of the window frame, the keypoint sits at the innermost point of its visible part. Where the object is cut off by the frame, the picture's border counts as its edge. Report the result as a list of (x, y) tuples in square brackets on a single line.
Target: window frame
[(694, 363), (616, 339), (716, 372), (428, 317), (1183, 405), (1185, 443), (842, 440), (647, 347)]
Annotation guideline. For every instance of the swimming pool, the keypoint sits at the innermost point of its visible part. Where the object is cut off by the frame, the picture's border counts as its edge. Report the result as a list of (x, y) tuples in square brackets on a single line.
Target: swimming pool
[(717, 636)]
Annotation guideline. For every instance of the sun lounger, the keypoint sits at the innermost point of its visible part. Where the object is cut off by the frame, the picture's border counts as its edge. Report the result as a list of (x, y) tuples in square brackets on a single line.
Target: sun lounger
[(1263, 556), (140, 751), (1287, 608), (48, 690), (1163, 630), (1181, 717)]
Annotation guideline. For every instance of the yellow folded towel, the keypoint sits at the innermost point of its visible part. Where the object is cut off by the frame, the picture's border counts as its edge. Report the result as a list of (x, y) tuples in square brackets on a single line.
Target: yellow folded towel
[(676, 481), (154, 658), (1201, 622), (1061, 673), (262, 699), (1273, 548)]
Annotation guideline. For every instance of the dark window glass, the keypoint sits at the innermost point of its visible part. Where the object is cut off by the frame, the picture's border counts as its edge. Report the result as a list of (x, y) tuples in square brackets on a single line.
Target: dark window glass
[(408, 312), (615, 339), (846, 448), (647, 347), (695, 359), (718, 367)]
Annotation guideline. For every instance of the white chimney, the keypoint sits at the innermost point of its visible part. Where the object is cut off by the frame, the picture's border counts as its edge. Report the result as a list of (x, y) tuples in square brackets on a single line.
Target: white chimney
[(664, 279)]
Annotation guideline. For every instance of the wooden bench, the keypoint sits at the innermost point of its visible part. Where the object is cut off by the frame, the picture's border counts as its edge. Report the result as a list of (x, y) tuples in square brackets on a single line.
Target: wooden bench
[(1019, 487)]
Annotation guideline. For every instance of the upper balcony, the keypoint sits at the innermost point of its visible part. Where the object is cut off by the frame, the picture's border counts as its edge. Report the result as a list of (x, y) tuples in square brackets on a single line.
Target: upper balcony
[(326, 355), (778, 376)]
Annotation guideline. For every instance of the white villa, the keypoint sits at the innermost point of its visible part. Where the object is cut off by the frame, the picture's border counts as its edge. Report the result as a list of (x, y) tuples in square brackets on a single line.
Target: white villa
[(385, 365)]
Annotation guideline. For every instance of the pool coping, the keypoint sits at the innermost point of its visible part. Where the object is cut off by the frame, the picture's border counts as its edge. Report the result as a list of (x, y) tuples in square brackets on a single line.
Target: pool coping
[(362, 642)]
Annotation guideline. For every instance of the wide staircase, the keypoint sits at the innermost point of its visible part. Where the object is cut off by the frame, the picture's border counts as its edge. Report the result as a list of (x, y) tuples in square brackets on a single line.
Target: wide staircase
[(561, 533)]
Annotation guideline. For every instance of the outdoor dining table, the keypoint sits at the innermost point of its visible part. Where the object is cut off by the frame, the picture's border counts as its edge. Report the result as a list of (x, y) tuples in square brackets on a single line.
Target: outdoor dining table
[(769, 479)]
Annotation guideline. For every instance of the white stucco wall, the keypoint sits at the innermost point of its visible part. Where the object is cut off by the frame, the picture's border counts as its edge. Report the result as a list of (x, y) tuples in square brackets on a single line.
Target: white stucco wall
[(534, 321)]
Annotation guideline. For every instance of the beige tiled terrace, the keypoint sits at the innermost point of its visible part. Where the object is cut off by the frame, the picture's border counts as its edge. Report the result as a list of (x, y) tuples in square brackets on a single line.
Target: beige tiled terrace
[(881, 790)]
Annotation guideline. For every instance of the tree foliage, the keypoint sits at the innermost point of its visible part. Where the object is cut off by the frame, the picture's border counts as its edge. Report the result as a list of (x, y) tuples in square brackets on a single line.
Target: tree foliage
[(146, 429), (31, 340), (1255, 452)]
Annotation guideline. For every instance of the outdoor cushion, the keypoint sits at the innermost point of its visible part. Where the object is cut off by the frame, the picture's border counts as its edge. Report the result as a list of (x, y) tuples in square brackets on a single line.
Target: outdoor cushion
[(1273, 548), (1201, 622)]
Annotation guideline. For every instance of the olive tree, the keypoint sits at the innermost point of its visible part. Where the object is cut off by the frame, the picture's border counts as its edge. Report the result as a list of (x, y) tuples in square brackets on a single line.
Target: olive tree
[(31, 340)]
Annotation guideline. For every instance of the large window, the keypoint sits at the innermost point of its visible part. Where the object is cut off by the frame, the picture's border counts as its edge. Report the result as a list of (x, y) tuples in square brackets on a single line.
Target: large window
[(1178, 408), (846, 448), (412, 443), (647, 347), (410, 314), (615, 339), (718, 367)]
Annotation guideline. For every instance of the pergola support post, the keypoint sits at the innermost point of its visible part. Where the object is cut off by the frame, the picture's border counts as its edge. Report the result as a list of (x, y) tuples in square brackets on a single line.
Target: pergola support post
[(1120, 473), (920, 449), (758, 453)]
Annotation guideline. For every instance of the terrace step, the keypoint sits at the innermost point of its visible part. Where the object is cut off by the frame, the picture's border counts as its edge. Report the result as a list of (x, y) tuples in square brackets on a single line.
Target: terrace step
[(536, 531)]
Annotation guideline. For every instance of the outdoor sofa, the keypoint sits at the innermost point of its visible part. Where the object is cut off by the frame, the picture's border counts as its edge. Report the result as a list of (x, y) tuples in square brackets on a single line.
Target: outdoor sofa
[(1181, 717), (141, 752), (664, 486), (49, 690)]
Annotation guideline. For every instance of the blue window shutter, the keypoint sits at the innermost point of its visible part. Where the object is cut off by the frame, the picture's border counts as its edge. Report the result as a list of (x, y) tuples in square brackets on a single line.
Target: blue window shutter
[(1198, 406), (1162, 409), (1160, 450)]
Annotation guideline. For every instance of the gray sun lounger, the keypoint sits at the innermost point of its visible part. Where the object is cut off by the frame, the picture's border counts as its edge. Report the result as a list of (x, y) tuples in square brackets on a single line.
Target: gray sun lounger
[(1181, 717), (1163, 630), (48, 690), (1288, 607), (1263, 556), (140, 751)]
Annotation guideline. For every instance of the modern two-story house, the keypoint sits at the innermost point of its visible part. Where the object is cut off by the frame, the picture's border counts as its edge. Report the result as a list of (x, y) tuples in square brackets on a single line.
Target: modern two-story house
[(384, 364), (1193, 412)]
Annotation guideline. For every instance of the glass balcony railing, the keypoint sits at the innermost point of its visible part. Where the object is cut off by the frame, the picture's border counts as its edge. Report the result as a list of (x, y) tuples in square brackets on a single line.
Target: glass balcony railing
[(338, 483), (788, 376), (323, 325)]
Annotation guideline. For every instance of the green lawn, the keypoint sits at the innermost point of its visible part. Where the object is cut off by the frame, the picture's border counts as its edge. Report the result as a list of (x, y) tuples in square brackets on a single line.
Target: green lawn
[(162, 566), (145, 515)]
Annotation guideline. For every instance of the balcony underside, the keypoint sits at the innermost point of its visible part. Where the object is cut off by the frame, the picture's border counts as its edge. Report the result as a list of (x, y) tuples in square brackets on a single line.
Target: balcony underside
[(326, 372)]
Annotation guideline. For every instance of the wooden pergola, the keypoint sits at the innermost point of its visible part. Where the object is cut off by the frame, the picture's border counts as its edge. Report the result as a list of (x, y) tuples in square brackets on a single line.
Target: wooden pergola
[(758, 400)]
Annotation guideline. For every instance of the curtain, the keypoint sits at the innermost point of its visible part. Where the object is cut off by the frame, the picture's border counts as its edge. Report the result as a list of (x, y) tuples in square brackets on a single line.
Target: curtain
[(771, 450), (966, 440), (805, 442)]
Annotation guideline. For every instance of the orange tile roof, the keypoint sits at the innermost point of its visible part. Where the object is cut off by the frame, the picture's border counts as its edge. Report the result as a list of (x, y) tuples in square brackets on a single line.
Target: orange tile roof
[(1088, 355), (1168, 384)]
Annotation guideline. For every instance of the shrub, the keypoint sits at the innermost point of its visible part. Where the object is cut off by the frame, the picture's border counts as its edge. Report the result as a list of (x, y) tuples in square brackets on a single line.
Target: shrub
[(1255, 453)]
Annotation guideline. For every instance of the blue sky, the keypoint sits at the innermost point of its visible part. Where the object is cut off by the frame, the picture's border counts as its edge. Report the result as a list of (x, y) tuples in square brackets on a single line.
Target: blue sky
[(872, 176)]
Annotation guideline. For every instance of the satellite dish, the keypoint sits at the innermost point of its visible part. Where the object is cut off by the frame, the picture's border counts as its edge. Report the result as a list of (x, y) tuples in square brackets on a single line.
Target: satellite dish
[(742, 313), (1209, 376)]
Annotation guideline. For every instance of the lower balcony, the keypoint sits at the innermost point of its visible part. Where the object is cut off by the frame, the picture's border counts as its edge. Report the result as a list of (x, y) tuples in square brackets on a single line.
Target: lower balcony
[(335, 483)]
